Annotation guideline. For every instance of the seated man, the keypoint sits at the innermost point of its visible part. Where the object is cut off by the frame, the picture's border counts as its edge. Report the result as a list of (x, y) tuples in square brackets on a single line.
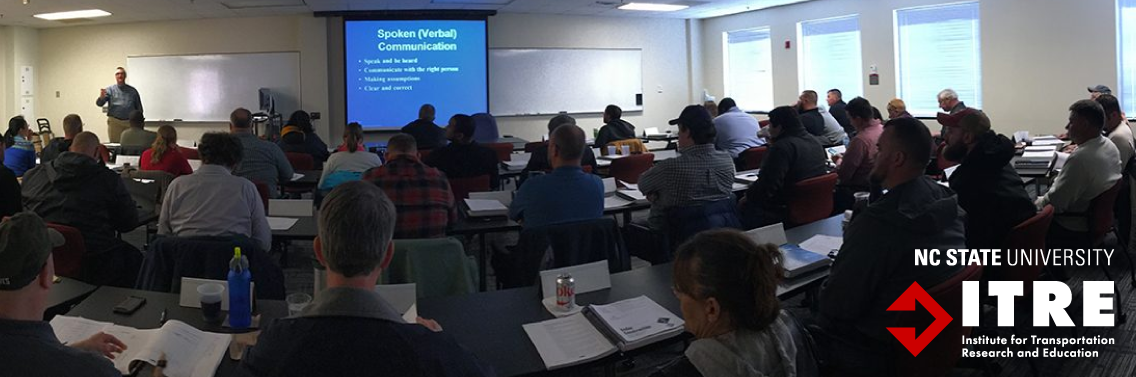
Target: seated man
[(10, 200), (72, 125), (988, 187), (950, 103), (421, 194), (837, 108), (539, 158), (795, 155), (77, 190), (876, 264), (356, 330), (565, 195), (1120, 133), (1092, 169), (136, 138), (737, 131), (820, 124), (614, 128), (463, 157), (30, 347), (426, 134), (212, 201), (261, 160), (700, 174), (855, 165)]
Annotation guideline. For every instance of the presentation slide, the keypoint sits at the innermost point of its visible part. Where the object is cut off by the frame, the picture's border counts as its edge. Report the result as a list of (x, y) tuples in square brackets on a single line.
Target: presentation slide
[(393, 67)]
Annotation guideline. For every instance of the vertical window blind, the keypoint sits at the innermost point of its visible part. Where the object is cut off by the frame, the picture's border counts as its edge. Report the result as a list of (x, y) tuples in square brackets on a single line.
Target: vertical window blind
[(937, 47), (829, 56), (749, 68)]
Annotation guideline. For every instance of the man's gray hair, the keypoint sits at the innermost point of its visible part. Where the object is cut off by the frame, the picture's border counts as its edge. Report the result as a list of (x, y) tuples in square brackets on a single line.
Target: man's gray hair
[(356, 224), (948, 94)]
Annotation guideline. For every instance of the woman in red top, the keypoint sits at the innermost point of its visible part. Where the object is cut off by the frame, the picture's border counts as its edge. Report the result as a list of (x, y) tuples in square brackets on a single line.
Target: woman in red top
[(164, 155)]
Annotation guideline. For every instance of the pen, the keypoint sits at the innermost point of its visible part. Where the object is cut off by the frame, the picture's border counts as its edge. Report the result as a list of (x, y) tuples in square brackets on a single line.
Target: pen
[(162, 320)]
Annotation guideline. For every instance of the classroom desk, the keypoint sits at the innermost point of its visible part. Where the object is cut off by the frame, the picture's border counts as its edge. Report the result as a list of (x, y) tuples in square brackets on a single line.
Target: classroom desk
[(489, 324), (99, 306), (480, 228), (307, 182), (1039, 174), (65, 294), (304, 230), (659, 156)]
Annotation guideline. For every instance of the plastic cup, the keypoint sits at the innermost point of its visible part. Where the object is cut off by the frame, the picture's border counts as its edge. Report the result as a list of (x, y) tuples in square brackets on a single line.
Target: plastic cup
[(625, 149), (210, 295), (610, 150), (297, 302)]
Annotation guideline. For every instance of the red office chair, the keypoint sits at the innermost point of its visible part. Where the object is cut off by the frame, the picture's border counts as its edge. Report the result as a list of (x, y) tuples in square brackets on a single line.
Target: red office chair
[(809, 200), (461, 187), (533, 146), (504, 150), (1101, 214), (104, 153), (69, 257), (763, 123), (300, 161), (1030, 234), (189, 153), (752, 157), (628, 169), (942, 161), (262, 189), (940, 356)]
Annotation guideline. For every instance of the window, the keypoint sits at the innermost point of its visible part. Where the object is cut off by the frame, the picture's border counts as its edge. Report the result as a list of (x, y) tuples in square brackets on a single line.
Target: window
[(748, 68), (1126, 43), (829, 56), (937, 47)]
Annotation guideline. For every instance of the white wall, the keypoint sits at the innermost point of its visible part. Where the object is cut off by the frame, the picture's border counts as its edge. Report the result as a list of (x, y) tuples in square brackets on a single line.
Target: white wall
[(77, 61), (1038, 56), (20, 48)]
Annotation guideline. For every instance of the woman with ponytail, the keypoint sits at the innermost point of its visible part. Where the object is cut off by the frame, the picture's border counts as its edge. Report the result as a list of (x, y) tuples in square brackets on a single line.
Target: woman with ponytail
[(349, 164), (19, 153), (727, 287), (164, 155)]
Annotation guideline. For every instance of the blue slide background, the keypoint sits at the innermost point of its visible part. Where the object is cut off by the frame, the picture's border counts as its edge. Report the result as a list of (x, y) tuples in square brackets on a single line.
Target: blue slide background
[(462, 92)]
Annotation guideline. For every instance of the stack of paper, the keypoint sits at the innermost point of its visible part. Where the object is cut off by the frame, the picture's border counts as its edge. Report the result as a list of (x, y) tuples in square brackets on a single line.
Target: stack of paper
[(1047, 140), (823, 245), (747, 178), (797, 261), (1036, 157), (514, 165), (615, 202), (189, 352), (281, 223), (632, 195), (485, 208)]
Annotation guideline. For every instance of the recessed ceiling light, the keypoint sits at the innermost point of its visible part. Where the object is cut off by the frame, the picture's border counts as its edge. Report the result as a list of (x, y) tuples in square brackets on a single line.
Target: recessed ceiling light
[(653, 7), (89, 13)]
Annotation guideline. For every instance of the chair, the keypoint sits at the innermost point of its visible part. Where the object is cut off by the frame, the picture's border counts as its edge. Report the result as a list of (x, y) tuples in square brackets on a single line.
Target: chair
[(439, 266), (504, 150), (562, 245), (941, 162), (628, 169), (189, 153), (69, 256), (752, 157), (132, 150), (533, 146), (461, 187), (636, 146), (686, 221), (262, 189), (104, 153), (940, 356), (1101, 215), (44, 125), (163, 179), (1030, 234), (171, 258), (300, 161), (809, 200)]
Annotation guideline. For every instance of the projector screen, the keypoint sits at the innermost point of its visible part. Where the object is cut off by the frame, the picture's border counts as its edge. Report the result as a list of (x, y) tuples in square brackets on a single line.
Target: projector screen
[(395, 66)]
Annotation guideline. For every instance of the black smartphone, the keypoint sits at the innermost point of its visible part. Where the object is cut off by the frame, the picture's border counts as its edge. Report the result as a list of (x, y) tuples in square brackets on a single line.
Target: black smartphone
[(130, 305)]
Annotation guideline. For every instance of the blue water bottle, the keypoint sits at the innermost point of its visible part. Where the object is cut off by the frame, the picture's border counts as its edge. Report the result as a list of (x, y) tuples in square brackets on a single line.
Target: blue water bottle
[(240, 305)]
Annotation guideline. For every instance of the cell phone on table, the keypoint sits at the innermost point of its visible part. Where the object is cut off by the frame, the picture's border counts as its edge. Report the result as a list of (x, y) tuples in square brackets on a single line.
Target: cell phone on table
[(130, 305)]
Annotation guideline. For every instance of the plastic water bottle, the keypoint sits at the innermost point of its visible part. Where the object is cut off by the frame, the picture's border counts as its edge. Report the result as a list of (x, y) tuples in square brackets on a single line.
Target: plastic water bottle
[(240, 305)]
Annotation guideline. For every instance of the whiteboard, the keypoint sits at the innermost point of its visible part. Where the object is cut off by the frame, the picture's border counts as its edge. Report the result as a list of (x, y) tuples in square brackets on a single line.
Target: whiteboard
[(549, 81), (209, 87)]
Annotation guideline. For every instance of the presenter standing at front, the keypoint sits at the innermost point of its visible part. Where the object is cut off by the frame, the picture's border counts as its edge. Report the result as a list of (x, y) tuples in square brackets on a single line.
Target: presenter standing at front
[(122, 99)]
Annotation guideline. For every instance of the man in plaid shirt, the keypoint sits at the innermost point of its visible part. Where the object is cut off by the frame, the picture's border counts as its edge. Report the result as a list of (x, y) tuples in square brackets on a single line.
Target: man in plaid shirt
[(421, 194), (700, 174)]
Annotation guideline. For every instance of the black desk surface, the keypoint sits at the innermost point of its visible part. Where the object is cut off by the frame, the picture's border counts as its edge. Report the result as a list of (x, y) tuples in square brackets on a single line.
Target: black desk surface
[(304, 229), (489, 324), (65, 293), (100, 305), (311, 177)]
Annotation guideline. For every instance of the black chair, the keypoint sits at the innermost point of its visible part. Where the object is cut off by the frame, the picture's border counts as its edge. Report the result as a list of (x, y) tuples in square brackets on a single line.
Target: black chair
[(171, 258), (561, 245), (683, 222)]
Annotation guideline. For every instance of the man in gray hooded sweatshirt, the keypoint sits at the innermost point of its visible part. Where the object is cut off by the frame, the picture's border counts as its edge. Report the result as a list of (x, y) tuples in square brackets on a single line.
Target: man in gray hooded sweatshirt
[(876, 264)]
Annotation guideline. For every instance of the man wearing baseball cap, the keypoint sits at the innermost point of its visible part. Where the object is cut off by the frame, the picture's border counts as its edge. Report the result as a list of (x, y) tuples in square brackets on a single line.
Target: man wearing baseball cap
[(1095, 91), (700, 174), (30, 347)]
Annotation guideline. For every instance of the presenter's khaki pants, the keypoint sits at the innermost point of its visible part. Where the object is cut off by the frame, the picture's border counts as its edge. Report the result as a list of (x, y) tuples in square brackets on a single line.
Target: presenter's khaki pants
[(115, 127)]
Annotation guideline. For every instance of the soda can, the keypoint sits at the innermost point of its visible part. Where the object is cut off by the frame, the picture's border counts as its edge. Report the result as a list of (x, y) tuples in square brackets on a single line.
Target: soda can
[(565, 292)]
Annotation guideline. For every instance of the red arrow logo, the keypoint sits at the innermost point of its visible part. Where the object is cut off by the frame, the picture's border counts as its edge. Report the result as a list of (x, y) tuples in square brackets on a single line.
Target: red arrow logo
[(906, 303)]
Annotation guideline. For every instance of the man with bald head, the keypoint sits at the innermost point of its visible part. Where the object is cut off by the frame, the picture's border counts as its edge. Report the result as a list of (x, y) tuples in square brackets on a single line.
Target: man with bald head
[(426, 133), (77, 190), (538, 159), (567, 194), (72, 125)]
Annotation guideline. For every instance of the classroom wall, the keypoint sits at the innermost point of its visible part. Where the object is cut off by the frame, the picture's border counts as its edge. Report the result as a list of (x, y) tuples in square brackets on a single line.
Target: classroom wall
[(78, 61), (19, 48), (1038, 56)]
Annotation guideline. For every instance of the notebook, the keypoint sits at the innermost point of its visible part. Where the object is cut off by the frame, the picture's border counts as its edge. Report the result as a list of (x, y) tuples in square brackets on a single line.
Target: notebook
[(797, 261), (601, 330), (485, 208), (189, 352), (632, 195)]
